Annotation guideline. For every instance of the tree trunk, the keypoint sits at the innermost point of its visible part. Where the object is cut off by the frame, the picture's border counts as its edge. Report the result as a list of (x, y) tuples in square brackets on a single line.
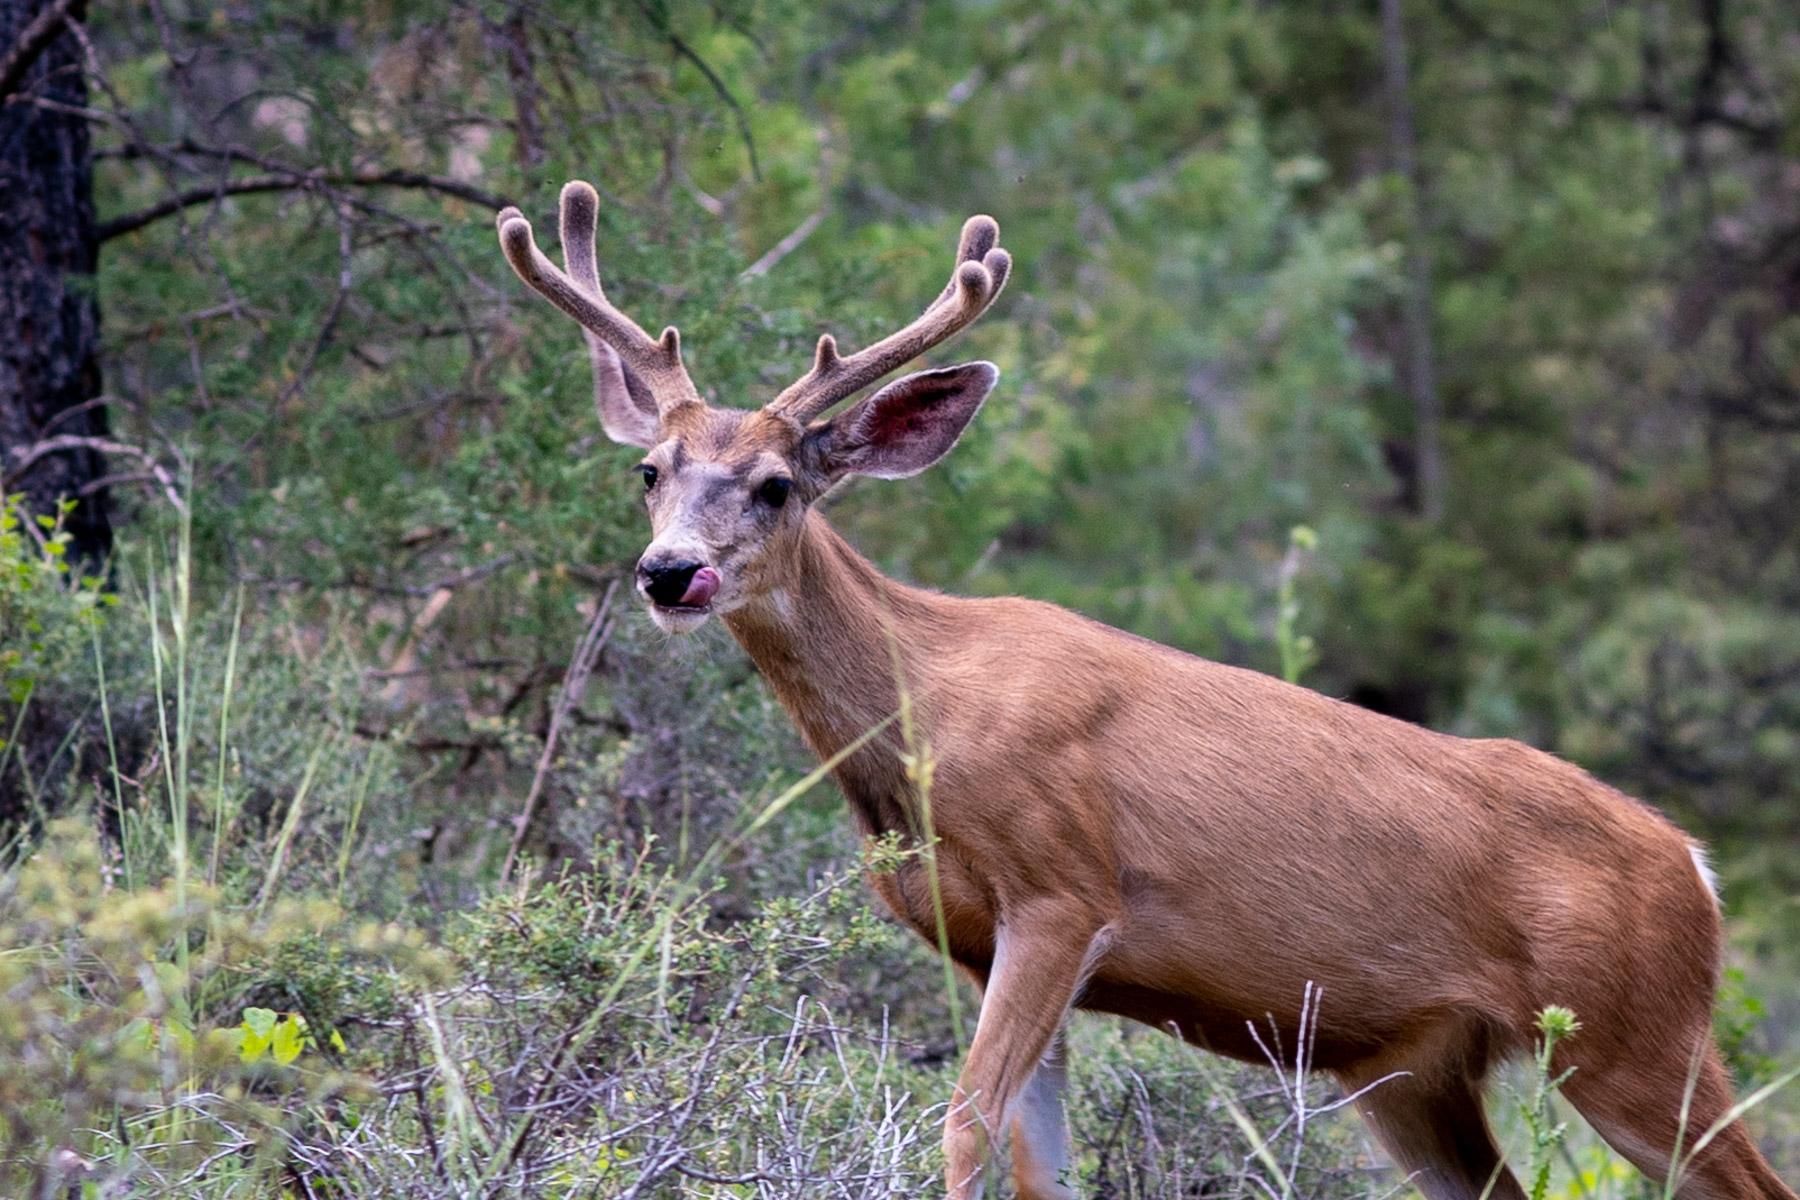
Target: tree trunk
[(1417, 370), (49, 315)]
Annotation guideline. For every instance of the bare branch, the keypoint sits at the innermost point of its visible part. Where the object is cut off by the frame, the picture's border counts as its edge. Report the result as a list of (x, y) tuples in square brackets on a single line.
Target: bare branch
[(24, 458), (784, 247), (581, 665), (30, 44), (294, 181)]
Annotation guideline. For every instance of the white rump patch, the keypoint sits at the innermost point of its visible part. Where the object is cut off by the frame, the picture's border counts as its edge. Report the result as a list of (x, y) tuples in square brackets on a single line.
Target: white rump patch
[(1697, 852)]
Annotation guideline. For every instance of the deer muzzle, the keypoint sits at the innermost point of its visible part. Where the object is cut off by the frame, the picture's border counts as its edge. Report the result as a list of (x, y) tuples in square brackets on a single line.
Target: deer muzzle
[(680, 584)]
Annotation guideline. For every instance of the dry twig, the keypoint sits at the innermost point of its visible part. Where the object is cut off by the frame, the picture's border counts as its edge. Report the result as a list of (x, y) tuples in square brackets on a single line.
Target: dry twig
[(581, 666)]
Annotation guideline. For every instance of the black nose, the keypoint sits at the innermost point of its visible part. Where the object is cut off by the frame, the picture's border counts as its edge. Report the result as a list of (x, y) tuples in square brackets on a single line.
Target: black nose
[(666, 581)]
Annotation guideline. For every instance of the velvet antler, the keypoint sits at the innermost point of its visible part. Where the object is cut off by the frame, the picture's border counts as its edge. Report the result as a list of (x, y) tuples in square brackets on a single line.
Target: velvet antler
[(650, 362), (980, 272)]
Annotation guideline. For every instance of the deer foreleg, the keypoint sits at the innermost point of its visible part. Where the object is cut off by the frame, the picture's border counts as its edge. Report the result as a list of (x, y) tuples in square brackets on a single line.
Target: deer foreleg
[(1040, 1130), (1038, 966)]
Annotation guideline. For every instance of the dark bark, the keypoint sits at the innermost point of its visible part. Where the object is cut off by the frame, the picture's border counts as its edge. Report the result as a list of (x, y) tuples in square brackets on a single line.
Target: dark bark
[(521, 72), (49, 315), (1418, 370)]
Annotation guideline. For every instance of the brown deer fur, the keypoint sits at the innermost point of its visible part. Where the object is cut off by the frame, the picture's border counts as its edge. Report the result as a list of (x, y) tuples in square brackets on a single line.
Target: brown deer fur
[(1125, 828)]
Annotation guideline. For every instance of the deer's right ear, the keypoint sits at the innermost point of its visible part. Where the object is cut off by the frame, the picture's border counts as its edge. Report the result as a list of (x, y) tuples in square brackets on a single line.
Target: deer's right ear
[(627, 408), (907, 425)]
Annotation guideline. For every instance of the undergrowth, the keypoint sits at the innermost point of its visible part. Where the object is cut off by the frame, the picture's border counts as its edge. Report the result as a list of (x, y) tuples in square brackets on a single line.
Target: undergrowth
[(264, 953)]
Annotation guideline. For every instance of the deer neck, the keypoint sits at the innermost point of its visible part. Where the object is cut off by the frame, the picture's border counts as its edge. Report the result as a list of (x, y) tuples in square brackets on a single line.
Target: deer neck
[(828, 643)]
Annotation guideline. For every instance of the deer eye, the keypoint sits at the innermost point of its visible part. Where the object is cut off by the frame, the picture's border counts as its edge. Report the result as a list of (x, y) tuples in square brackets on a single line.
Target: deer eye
[(774, 491), (649, 474)]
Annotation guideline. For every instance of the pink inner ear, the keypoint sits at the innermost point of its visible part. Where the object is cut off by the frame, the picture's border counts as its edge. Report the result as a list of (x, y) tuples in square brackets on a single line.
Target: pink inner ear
[(901, 416), (912, 422)]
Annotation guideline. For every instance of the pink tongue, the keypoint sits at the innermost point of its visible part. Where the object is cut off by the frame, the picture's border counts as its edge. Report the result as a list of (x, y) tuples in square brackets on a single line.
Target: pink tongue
[(700, 589)]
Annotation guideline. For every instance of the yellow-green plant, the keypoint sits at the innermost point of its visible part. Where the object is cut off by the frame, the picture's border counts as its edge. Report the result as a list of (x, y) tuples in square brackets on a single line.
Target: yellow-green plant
[(107, 1048), (46, 609), (1298, 650), (1546, 1133)]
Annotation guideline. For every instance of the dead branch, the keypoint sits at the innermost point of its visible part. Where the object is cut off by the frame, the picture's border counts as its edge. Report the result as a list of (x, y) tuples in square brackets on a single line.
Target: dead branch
[(289, 181), (581, 665), (30, 44), (62, 443), (784, 247)]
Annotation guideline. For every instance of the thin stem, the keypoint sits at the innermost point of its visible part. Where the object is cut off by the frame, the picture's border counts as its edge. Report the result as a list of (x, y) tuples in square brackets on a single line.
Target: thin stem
[(220, 820), (112, 753)]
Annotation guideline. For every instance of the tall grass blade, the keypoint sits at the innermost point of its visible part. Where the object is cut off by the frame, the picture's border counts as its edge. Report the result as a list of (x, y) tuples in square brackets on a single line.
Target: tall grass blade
[(290, 824), (222, 817), (112, 753), (1259, 1145), (1739, 1109)]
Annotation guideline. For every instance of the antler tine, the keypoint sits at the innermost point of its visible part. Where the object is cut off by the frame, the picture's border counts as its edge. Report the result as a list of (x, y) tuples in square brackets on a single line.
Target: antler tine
[(579, 216), (578, 211), (981, 272), (656, 360), (980, 233)]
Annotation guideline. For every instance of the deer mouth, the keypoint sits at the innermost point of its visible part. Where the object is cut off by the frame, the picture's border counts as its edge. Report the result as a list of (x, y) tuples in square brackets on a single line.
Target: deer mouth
[(698, 596)]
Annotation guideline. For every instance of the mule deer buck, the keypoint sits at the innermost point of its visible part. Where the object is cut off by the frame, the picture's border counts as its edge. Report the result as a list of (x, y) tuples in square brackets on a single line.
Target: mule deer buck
[(1127, 829)]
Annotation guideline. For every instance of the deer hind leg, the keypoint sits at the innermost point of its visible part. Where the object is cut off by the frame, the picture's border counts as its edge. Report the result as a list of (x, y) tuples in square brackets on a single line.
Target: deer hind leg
[(1438, 1134), (1634, 1100), (1040, 959), (1431, 1122)]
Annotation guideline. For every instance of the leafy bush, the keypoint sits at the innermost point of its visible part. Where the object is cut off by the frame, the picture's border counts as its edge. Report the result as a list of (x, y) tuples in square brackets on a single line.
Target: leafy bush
[(124, 1037), (47, 615), (45, 609)]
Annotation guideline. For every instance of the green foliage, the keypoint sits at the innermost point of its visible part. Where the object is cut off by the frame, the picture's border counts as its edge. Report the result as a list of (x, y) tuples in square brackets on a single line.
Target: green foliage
[(298, 744), (45, 610), (1738, 1015), (114, 1033)]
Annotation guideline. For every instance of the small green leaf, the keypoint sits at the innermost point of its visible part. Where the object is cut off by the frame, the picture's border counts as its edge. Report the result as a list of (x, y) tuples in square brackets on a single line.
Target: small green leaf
[(253, 1047), (259, 1030), (290, 1036), (140, 1032), (260, 1021)]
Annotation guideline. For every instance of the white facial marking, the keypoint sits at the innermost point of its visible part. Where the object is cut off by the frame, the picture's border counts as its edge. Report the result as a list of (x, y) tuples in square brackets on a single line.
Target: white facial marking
[(782, 601), (675, 620)]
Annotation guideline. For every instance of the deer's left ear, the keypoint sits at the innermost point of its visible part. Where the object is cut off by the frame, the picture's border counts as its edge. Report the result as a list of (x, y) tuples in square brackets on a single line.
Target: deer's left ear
[(907, 425)]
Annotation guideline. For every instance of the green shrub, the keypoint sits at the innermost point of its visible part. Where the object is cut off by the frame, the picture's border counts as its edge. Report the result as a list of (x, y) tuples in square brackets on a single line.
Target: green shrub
[(46, 609), (124, 1030)]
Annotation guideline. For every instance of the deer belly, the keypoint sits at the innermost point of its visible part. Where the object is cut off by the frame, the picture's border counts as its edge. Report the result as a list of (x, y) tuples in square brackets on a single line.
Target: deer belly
[(968, 915), (1210, 963), (1220, 1024)]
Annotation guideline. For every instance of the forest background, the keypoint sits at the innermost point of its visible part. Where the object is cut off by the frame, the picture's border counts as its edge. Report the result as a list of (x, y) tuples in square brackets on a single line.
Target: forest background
[(362, 839)]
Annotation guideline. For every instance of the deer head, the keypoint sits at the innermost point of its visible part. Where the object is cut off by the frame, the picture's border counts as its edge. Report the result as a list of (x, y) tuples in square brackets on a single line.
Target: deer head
[(727, 489)]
